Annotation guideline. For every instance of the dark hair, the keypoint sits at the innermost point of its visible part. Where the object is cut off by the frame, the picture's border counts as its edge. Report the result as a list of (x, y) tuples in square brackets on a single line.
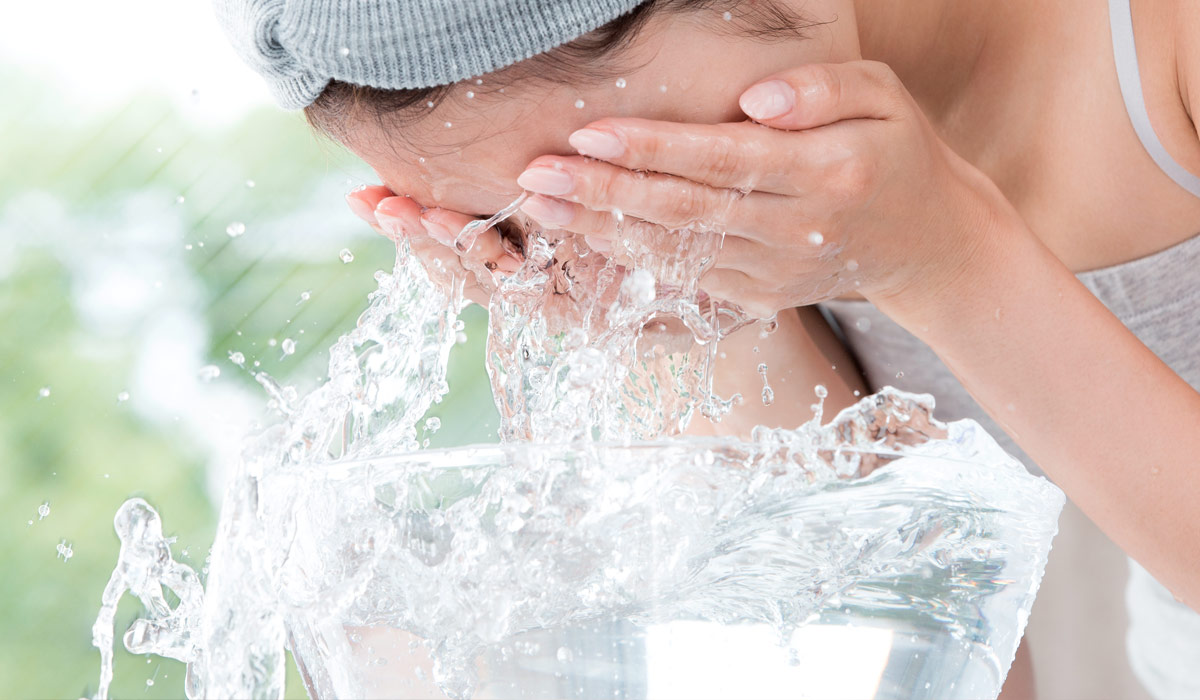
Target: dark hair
[(765, 20)]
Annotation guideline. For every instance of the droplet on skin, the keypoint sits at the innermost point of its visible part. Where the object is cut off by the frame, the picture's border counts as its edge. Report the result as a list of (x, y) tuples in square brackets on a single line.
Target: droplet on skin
[(207, 373), (448, 125), (662, 88), (621, 82), (235, 229), (728, 16), (816, 238), (851, 264), (428, 104), (470, 94), (900, 374), (579, 104), (346, 255), (288, 346)]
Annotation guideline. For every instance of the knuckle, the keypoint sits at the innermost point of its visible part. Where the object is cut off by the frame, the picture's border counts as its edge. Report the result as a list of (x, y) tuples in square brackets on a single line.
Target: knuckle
[(853, 178), (821, 81), (722, 159)]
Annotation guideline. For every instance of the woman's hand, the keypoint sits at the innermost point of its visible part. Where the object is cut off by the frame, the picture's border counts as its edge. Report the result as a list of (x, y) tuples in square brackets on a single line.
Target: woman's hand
[(431, 233), (848, 190)]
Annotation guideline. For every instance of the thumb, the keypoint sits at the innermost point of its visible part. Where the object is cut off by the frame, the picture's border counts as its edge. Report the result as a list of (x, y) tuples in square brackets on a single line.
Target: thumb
[(819, 94)]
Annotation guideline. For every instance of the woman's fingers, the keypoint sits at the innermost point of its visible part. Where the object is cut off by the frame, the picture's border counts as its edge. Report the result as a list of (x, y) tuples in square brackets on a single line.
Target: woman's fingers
[(363, 202), (819, 94), (672, 202), (444, 225)]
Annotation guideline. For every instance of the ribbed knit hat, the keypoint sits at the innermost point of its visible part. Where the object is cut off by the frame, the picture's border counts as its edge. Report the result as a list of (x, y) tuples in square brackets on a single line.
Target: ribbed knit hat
[(298, 46)]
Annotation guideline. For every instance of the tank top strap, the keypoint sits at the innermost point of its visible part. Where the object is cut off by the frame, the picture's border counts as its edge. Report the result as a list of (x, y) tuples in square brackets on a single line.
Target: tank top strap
[(1120, 19)]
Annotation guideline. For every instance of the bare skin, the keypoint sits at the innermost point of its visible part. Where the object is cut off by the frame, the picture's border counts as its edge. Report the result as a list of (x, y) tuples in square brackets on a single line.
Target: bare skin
[(989, 160)]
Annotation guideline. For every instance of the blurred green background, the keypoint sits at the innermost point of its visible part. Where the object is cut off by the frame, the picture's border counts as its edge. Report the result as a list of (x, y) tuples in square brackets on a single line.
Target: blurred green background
[(120, 290)]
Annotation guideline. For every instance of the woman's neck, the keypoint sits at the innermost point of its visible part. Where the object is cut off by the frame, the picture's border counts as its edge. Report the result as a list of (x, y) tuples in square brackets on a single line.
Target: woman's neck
[(935, 46)]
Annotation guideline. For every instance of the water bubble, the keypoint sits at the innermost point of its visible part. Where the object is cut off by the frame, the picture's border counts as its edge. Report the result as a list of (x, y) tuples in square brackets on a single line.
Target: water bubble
[(250, 184), (821, 391), (579, 104), (43, 510), (207, 373), (237, 358), (433, 424), (235, 229), (621, 82), (123, 397), (64, 550), (346, 255), (344, 51), (816, 238), (863, 324), (44, 392), (288, 346)]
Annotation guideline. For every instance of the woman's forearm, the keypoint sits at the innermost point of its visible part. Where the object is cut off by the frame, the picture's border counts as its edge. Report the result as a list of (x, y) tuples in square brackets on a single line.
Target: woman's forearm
[(1095, 408)]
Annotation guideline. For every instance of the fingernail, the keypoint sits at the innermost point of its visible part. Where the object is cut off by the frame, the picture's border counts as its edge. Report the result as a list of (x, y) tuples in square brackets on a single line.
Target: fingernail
[(438, 231), (597, 144), (546, 180), (360, 208), (549, 211), (599, 245), (768, 100)]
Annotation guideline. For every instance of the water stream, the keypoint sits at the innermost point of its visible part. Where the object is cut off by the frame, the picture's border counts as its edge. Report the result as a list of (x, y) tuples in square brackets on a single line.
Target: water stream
[(339, 537)]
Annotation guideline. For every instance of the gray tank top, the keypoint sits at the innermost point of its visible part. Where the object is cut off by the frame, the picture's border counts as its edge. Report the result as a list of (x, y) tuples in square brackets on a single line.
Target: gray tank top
[(1158, 298)]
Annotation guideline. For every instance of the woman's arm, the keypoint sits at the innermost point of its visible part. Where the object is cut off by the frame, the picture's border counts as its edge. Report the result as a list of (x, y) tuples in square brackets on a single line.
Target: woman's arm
[(1096, 409)]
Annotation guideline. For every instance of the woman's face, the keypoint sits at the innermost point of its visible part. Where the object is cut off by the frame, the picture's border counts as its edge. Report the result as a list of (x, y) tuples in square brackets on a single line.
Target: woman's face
[(465, 154)]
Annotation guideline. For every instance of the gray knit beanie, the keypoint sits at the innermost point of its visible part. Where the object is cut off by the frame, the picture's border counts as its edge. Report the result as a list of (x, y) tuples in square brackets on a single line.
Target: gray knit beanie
[(298, 46)]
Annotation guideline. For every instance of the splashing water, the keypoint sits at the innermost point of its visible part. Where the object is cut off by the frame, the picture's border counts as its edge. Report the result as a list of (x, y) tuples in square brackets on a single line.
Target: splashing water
[(338, 534)]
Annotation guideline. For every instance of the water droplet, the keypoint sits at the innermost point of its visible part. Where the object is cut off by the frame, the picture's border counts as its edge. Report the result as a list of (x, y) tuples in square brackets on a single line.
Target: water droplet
[(237, 358), (621, 82), (180, 199), (149, 682), (662, 88), (1154, 470), (579, 104), (64, 550), (288, 346), (564, 655), (851, 264), (250, 184), (344, 51), (43, 510), (272, 342), (448, 125), (208, 373), (187, 246), (235, 229), (433, 424), (346, 255), (470, 94), (460, 337), (900, 374), (304, 296), (863, 324), (816, 238), (123, 397), (821, 391), (44, 392), (429, 104), (768, 394), (728, 16)]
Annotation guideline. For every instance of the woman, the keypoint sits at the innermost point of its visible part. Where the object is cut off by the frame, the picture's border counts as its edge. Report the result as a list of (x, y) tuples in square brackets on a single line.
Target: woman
[(941, 197)]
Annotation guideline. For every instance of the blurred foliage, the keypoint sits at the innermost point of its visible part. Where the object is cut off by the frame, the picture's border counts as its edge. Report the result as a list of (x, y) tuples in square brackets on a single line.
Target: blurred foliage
[(82, 450)]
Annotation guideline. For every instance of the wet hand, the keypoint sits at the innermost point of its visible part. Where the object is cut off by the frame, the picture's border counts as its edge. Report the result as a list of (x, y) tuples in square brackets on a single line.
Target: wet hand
[(837, 185), (431, 233)]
